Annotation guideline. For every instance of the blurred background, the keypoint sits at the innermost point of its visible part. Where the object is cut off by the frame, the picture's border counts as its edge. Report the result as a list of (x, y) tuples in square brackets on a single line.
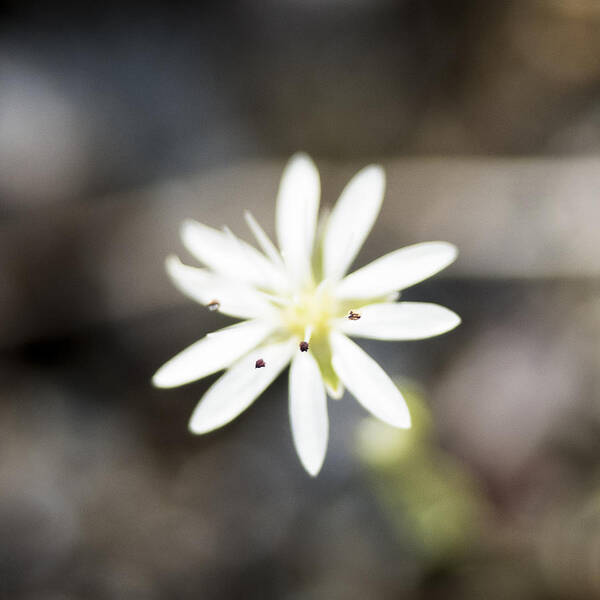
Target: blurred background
[(117, 121)]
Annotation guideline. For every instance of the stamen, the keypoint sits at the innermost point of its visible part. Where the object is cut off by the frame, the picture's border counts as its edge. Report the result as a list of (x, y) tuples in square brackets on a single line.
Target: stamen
[(260, 363), (213, 305), (354, 316), (308, 333), (303, 346)]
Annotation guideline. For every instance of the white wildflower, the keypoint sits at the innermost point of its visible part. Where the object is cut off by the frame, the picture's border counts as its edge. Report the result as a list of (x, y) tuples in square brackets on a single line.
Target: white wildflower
[(298, 305)]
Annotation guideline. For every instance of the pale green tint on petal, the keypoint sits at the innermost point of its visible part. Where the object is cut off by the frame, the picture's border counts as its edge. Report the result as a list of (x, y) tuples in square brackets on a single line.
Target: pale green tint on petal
[(397, 270), (308, 412), (227, 255), (317, 255), (368, 382), (212, 353), (321, 350), (234, 298), (351, 220), (296, 216), (400, 321), (336, 393), (237, 389)]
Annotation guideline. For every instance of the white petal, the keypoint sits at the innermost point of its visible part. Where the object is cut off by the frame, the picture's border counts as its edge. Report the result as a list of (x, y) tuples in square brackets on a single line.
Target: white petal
[(368, 382), (351, 220), (264, 241), (296, 219), (234, 391), (263, 271), (308, 412), (212, 353), (400, 321), (229, 256), (397, 270), (235, 299)]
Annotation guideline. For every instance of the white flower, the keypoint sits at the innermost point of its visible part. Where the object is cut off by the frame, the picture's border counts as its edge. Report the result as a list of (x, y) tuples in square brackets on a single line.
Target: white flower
[(298, 305)]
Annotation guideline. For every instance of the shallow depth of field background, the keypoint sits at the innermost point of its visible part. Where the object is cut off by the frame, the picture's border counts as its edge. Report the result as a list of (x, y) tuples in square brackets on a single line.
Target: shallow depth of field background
[(117, 121)]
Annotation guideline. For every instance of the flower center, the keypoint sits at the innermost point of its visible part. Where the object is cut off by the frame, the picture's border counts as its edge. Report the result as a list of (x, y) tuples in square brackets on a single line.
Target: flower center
[(310, 311)]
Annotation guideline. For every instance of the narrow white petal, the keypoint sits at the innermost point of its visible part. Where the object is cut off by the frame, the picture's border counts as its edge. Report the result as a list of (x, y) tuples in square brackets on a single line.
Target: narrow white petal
[(296, 219), (351, 220), (212, 248), (397, 270), (400, 321), (234, 298), (212, 353), (264, 241), (368, 382), (262, 271), (236, 389), (308, 412), (227, 255)]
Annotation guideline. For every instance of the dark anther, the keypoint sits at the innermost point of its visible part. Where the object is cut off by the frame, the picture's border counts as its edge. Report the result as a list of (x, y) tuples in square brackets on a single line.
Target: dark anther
[(353, 316), (303, 346), (214, 305), (260, 363)]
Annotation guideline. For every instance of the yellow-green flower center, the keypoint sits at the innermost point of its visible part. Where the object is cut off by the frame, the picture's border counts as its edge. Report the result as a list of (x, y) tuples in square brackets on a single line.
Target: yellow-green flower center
[(308, 317), (312, 311)]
